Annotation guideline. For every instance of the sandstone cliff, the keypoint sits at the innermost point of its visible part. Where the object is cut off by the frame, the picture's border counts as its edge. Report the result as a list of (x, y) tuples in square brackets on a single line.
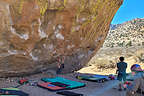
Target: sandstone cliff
[(34, 33)]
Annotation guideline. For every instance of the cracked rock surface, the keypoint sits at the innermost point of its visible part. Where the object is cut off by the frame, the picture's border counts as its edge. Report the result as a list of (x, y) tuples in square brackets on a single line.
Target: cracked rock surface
[(34, 33)]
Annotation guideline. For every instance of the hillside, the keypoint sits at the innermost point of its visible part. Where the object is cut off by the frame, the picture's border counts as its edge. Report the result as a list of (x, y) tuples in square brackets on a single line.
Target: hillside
[(126, 40), (128, 34)]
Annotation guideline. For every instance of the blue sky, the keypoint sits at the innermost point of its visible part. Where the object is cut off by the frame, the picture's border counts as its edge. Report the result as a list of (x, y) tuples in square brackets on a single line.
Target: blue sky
[(129, 10)]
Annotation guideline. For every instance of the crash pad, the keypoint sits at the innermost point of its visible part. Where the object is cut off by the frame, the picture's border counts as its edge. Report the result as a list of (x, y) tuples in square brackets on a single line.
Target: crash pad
[(50, 86), (69, 93), (12, 92), (92, 78), (72, 84)]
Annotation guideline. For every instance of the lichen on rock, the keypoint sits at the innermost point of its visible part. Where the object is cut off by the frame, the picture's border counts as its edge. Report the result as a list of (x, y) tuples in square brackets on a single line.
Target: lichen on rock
[(34, 33)]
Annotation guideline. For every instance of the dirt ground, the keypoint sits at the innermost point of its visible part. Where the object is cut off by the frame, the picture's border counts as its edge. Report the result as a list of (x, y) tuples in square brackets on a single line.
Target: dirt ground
[(91, 88), (110, 56)]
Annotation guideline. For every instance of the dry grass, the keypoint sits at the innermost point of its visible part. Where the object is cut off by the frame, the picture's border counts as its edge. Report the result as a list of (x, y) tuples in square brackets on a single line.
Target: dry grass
[(105, 60)]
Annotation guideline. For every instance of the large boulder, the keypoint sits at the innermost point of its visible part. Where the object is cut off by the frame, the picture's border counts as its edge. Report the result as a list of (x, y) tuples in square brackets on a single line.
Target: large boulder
[(34, 33)]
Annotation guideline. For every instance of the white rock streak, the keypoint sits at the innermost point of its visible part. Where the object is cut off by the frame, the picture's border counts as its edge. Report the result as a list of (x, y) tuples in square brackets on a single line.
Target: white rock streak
[(22, 36), (42, 34), (51, 47), (12, 52), (57, 33), (70, 46), (59, 36), (81, 56), (9, 14), (33, 57)]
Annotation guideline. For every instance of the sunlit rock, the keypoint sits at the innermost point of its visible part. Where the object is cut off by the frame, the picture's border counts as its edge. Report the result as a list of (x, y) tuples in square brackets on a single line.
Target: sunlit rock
[(34, 33)]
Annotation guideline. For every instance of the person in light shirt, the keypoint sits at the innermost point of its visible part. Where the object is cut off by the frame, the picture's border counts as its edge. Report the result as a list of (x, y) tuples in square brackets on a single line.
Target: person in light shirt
[(137, 87)]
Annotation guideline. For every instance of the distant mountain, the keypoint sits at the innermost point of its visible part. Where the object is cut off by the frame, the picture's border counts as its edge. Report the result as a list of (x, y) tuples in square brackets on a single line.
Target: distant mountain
[(127, 34)]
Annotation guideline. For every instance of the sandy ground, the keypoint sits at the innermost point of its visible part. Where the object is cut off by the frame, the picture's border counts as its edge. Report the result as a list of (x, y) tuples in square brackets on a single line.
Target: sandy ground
[(106, 56)]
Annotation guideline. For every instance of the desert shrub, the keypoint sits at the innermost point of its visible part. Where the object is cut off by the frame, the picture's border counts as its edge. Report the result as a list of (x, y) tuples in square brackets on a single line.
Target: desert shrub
[(112, 45), (139, 44), (109, 65), (139, 55), (129, 43), (142, 43), (120, 44)]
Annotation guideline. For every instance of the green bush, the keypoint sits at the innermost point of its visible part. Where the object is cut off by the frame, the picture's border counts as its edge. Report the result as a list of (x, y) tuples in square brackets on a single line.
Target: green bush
[(129, 43)]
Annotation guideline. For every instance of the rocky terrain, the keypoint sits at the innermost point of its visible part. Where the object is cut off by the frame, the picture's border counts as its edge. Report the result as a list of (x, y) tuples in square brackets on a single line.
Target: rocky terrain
[(34, 33), (104, 62), (128, 34), (126, 40)]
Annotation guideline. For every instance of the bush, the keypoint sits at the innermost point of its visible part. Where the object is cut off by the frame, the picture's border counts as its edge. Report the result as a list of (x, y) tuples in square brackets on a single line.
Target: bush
[(129, 43), (109, 65), (140, 56)]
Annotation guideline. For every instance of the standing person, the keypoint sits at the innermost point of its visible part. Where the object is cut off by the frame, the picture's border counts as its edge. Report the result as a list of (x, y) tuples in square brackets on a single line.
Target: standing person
[(60, 64), (121, 69)]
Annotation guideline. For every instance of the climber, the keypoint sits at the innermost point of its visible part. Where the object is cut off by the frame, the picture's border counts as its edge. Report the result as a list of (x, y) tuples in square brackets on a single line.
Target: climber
[(121, 69), (137, 88), (60, 64)]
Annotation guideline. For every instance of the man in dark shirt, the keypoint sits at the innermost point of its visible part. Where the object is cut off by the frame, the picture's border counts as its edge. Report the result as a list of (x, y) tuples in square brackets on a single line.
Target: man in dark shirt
[(121, 69)]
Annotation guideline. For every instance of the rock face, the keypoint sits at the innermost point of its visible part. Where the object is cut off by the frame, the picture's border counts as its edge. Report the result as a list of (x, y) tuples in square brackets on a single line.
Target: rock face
[(34, 33)]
